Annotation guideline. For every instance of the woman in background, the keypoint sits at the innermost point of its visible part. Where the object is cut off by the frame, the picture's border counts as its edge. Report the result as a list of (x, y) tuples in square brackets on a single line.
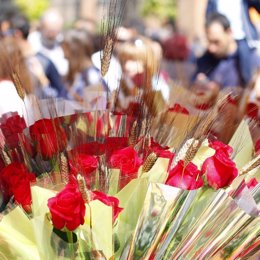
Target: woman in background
[(78, 48), (140, 61), (12, 62)]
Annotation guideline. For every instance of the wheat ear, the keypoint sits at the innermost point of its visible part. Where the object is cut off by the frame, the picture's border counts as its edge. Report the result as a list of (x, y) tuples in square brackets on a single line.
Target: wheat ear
[(149, 162), (107, 54)]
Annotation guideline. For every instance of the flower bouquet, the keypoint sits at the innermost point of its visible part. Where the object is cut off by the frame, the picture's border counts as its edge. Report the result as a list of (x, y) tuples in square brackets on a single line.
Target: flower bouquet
[(137, 184), (97, 185)]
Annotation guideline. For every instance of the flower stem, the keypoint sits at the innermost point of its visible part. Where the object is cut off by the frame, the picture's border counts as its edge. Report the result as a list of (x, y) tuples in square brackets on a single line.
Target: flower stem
[(70, 239)]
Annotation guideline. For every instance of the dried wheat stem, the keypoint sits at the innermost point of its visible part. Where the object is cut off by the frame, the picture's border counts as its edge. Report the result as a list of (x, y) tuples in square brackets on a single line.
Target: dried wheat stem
[(149, 162), (107, 53), (18, 85), (83, 188), (64, 169), (147, 141), (192, 150), (5, 157), (181, 154), (187, 152), (255, 163), (133, 135)]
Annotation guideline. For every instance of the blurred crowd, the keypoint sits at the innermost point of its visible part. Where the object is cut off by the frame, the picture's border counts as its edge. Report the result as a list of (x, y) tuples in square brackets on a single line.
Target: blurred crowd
[(54, 62)]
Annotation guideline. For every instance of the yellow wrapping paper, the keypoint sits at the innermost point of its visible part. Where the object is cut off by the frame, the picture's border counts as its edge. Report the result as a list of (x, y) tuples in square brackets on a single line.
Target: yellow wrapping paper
[(131, 200), (203, 153), (242, 145), (17, 240), (158, 173), (102, 227), (24, 238)]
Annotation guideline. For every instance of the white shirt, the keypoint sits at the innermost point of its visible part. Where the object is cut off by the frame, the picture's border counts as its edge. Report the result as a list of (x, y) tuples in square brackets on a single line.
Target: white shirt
[(10, 100), (114, 74), (232, 9)]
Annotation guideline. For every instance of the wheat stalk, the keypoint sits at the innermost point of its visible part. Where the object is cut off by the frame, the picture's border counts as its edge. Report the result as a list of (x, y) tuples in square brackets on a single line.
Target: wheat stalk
[(64, 169), (5, 157), (149, 162), (192, 150), (83, 189), (147, 141), (133, 135), (18, 85), (255, 163), (107, 54)]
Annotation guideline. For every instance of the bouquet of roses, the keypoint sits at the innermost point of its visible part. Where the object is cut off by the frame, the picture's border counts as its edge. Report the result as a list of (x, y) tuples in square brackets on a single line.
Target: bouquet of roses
[(79, 161)]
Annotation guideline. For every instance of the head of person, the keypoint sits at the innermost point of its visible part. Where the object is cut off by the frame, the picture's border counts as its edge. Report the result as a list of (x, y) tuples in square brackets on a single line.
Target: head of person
[(219, 35), (140, 59), (20, 26), (7, 11), (78, 48), (12, 60), (51, 25)]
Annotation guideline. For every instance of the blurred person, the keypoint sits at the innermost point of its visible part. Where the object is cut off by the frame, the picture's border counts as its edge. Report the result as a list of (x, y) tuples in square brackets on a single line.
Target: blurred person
[(140, 62), (114, 74), (46, 79), (86, 24), (221, 57), (250, 106), (11, 60), (251, 101), (244, 32), (47, 40), (77, 46), (7, 11), (176, 55), (175, 45)]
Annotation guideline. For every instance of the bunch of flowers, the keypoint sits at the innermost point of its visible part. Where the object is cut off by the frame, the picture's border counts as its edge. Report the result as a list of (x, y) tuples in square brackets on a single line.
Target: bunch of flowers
[(103, 185)]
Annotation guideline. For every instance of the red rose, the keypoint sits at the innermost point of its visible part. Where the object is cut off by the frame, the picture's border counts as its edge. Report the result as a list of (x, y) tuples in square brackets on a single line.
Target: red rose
[(83, 164), (109, 201), (67, 208), (15, 181), (252, 183), (217, 145), (50, 137), (187, 178), (113, 144), (93, 148), (126, 160), (177, 108), (220, 170), (11, 128), (161, 151)]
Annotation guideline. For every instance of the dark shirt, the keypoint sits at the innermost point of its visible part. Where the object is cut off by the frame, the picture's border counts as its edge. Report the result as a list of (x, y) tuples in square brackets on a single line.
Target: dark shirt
[(223, 71), (52, 74)]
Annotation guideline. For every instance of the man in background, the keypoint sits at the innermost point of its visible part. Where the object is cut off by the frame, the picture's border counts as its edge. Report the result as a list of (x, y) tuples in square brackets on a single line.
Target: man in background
[(47, 40), (220, 63), (45, 78), (244, 32)]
